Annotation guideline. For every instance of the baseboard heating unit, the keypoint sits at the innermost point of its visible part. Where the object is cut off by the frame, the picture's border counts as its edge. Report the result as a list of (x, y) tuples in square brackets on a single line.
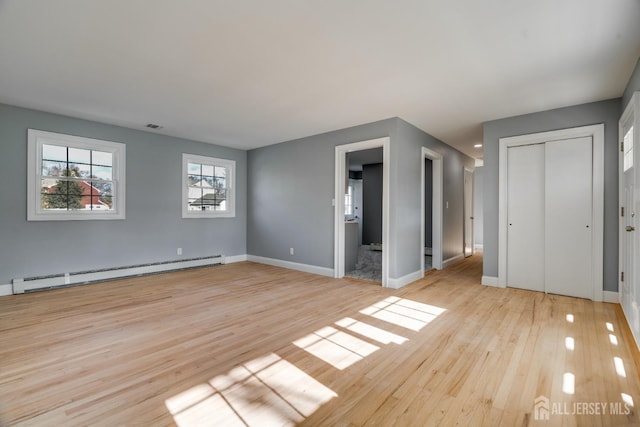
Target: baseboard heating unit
[(40, 283)]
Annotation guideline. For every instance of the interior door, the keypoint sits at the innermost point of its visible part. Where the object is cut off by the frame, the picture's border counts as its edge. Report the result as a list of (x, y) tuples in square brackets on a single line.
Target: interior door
[(468, 213), (525, 216), (568, 217), (627, 274)]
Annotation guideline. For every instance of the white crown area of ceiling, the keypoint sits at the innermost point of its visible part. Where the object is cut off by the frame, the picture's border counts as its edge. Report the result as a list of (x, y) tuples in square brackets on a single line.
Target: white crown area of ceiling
[(246, 74)]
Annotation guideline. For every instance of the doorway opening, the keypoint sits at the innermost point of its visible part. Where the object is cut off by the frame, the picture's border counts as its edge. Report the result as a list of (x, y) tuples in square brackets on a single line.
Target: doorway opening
[(362, 210), (468, 212), (431, 207)]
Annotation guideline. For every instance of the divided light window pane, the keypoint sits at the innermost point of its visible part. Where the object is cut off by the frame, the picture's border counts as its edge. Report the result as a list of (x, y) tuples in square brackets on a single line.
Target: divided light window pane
[(628, 149), (74, 178), (207, 187)]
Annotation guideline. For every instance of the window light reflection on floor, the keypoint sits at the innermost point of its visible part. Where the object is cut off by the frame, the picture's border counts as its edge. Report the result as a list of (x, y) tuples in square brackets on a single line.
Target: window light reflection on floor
[(569, 343), (335, 347), (613, 339), (569, 318), (619, 367), (402, 312), (369, 331), (265, 391), (568, 383)]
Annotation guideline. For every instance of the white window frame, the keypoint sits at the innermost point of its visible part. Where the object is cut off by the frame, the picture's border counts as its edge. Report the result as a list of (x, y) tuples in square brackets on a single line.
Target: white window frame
[(230, 180), (35, 140)]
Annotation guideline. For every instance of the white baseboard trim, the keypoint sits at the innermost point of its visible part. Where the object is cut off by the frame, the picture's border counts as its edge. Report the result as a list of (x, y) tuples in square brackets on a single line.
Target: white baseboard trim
[(608, 296), (6, 290), (307, 268), (451, 260), (234, 258), (404, 280), (478, 246), (490, 281)]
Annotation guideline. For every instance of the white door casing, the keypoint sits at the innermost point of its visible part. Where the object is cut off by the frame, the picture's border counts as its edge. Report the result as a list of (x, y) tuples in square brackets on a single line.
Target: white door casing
[(340, 178)]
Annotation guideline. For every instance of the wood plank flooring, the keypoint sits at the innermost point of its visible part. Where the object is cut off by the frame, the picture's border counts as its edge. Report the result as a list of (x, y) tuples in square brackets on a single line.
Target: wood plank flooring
[(249, 344)]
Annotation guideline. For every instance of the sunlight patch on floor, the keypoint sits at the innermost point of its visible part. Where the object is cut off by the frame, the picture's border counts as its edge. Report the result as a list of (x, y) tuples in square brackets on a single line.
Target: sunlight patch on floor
[(265, 391), (402, 312), (335, 347), (369, 331)]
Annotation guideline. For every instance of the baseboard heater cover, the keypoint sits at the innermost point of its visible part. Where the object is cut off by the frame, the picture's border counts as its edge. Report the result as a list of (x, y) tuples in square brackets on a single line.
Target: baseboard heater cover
[(40, 283)]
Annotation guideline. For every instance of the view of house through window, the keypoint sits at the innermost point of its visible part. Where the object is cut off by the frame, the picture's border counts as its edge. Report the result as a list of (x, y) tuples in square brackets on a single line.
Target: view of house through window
[(207, 187), (74, 178)]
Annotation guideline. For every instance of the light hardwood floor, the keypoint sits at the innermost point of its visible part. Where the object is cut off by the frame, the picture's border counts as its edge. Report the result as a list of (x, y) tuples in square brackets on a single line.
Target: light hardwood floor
[(249, 344)]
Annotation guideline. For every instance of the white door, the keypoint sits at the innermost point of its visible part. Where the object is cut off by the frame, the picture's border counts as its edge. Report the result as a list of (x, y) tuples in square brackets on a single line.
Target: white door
[(468, 213), (525, 217), (568, 217), (628, 222)]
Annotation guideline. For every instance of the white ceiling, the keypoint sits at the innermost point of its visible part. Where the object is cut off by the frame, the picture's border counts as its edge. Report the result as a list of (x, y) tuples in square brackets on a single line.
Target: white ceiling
[(251, 73)]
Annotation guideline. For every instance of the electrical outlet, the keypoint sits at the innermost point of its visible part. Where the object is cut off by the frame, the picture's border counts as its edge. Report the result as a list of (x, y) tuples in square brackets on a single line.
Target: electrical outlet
[(447, 204), (291, 251), (179, 251)]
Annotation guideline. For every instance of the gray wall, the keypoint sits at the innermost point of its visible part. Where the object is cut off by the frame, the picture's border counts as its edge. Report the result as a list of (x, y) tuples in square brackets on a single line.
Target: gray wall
[(632, 86), (478, 206), (607, 112), (371, 204), (428, 203), (153, 227), (291, 185)]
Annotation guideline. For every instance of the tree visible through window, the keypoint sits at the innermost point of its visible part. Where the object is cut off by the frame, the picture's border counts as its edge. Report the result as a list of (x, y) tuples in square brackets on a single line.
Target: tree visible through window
[(74, 177)]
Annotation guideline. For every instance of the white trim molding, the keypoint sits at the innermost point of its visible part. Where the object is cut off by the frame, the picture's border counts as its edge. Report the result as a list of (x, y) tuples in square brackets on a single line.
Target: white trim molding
[(234, 258), (307, 268), (478, 246), (596, 132), (451, 260), (405, 280), (609, 296), (491, 281), (6, 290)]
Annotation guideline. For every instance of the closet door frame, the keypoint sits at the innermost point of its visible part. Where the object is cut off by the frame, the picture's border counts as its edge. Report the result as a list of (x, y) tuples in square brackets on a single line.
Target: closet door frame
[(596, 132)]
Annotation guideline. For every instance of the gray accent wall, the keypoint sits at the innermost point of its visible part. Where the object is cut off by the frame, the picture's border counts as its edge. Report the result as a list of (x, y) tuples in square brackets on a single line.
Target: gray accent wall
[(371, 215), (153, 228), (291, 186), (632, 86), (607, 112)]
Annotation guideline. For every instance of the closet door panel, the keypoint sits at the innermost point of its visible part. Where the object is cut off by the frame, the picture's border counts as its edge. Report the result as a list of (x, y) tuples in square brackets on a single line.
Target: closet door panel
[(568, 217), (525, 213)]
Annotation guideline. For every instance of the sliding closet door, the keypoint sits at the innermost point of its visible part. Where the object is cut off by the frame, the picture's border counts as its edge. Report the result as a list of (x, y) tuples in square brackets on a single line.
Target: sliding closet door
[(525, 216), (568, 217)]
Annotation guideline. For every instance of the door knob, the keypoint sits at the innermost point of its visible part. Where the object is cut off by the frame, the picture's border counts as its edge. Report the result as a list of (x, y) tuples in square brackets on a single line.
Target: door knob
[(629, 228)]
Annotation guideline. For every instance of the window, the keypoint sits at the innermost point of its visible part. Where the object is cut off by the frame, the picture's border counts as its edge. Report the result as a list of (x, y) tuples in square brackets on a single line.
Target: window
[(74, 178), (207, 187), (348, 200), (627, 146)]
